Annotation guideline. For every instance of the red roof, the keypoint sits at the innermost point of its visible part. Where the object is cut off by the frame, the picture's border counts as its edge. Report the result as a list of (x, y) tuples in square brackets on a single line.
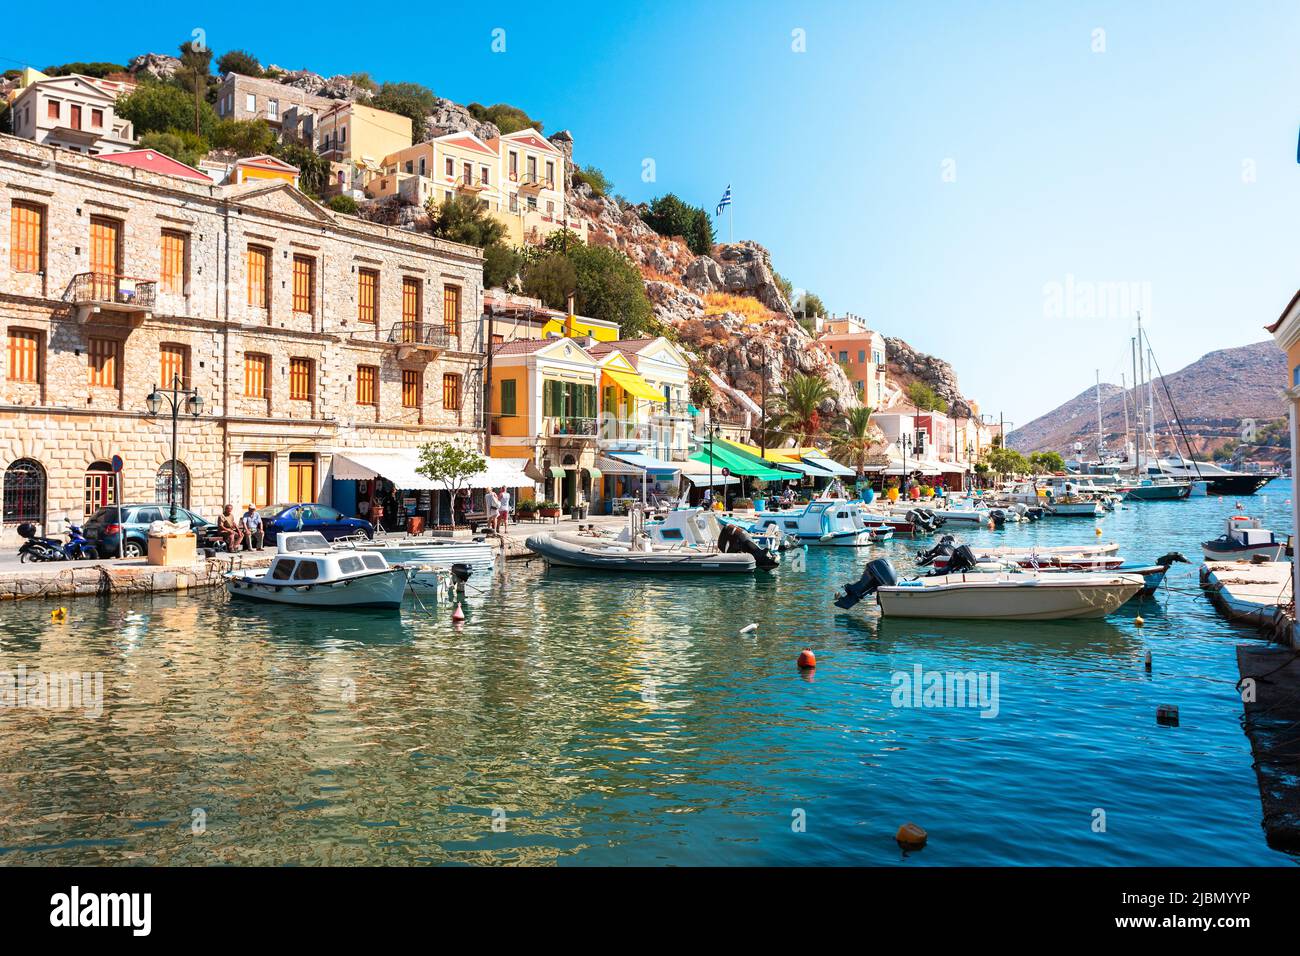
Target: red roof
[(628, 346), (521, 346), (468, 142), (156, 162)]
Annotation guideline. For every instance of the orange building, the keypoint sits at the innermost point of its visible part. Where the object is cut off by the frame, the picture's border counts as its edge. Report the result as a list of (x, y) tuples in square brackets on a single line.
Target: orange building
[(861, 353)]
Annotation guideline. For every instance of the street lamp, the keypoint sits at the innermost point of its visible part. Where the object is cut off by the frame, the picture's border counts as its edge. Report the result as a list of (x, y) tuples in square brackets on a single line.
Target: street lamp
[(177, 397)]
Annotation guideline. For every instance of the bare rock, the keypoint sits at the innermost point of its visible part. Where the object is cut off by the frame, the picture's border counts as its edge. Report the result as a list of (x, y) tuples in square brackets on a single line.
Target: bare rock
[(158, 65), (448, 117)]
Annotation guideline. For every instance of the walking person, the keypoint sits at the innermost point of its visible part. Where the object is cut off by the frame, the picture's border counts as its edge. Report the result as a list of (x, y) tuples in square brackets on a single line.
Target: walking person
[(503, 515), (491, 504), (228, 528), (254, 534)]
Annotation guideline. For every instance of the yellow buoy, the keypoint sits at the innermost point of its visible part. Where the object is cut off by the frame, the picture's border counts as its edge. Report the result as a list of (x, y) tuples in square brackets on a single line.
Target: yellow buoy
[(59, 615), (1098, 531), (1138, 620), (910, 836)]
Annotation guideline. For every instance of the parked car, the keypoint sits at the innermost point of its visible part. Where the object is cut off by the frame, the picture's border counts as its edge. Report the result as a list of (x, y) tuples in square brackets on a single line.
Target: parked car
[(277, 519), (104, 529)]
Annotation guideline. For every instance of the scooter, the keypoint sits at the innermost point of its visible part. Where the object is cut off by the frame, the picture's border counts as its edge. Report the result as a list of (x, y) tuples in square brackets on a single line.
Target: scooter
[(36, 548)]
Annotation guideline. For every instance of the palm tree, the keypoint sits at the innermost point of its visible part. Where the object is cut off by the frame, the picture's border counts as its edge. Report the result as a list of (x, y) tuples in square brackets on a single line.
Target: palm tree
[(795, 413), (853, 441)]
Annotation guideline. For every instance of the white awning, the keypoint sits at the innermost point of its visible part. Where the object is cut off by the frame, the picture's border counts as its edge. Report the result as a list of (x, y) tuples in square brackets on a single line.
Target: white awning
[(697, 473), (399, 465), (829, 464)]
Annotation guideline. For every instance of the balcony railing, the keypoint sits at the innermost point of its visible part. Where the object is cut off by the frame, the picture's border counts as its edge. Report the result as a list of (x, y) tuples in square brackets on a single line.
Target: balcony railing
[(563, 425), (470, 184), (414, 337), (93, 293), (532, 181)]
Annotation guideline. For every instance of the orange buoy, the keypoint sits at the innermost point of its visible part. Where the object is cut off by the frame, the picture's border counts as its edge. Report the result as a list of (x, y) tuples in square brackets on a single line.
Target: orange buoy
[(59, 615), (458, 614), (911, 837), (1138, 620), (807, 660)]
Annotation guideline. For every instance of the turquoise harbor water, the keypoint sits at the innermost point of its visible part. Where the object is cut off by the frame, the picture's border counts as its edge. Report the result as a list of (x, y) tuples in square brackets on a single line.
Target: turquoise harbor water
[(586, 720)]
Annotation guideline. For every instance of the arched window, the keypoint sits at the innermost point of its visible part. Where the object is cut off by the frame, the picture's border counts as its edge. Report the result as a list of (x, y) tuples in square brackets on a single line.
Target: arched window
[(24, 491), (162, 485), (101, 487)]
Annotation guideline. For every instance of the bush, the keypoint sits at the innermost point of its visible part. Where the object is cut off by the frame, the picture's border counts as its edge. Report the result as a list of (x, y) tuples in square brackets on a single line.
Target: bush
[(244, 137), (669, 216), (185, 147), (501, 264), (411, 100), (161, 108), (239, 61), (313, 169), (508, 119), (464, 219), (344, 204), (97, 69), (597, 181), (742, 504)]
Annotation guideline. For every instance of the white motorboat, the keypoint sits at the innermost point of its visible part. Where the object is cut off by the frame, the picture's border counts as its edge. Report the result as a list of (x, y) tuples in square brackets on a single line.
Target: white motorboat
[(1010, 595), (1043, 553), (699, 530), (307, 571), (1245, 539), (824, 523), (479, 554)]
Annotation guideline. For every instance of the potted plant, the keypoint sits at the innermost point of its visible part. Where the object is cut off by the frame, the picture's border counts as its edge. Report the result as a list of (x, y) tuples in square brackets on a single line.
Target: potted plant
[(549, 509), (760, 499), (526, 510)]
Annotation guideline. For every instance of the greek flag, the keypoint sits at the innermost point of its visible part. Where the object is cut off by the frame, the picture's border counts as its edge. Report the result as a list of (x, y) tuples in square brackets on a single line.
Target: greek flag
[(725, 201)]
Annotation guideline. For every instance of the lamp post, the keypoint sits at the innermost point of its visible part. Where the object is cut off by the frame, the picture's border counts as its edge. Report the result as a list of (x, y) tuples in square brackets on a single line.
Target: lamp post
[(904, 442), (176, 397)]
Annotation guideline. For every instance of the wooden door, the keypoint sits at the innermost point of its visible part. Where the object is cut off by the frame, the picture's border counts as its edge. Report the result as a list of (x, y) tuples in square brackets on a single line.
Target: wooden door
[(257, 483), (105, 247), (302, 481)]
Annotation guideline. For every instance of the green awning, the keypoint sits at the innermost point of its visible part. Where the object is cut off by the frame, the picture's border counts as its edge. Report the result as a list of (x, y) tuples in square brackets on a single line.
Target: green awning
[(593, 471), (738, 465), (557, 471)]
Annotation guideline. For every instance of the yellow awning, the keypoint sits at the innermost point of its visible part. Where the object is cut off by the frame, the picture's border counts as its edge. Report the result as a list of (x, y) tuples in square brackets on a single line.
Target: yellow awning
[(634, 384)]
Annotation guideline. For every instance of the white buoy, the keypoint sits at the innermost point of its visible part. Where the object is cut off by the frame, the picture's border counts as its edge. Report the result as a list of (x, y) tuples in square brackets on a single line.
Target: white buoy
[(749, 629)]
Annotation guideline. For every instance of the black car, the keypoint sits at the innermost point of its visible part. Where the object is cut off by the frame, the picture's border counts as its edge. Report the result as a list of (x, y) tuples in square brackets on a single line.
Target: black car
[(104, 529)]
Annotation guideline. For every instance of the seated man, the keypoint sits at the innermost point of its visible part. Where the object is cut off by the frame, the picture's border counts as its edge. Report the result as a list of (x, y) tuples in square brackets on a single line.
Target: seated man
[(228, 529), (254, 536)]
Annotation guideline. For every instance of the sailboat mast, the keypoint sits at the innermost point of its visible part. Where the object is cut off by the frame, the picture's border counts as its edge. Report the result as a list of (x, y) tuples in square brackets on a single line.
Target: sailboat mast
[(1151, 407), (1124, 395), (1101, 443), (1137, 407)]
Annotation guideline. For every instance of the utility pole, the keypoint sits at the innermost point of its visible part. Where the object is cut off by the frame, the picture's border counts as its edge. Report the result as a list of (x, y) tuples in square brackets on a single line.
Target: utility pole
[(487, 381), (762, 430)]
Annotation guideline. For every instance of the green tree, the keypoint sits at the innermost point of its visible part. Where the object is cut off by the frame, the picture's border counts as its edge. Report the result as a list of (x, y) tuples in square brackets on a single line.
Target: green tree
[(796, 413), (925, 398), (507, 118), (239, 61), (1046, 461), (464, 219), (550, 277), (97, 69), (700, 239), (854, 440), (1007, 461), (501, 263), (452, 463), (594, 178), (787, 287), (313, 169), (162, 108), (244, 137), (344, 204), (411, 100), (364, 81), (669, 216), (810, 306), (186, 147)]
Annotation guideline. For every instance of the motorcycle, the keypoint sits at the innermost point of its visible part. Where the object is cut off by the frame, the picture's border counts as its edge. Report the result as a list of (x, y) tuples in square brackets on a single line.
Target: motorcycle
[(36, 548)]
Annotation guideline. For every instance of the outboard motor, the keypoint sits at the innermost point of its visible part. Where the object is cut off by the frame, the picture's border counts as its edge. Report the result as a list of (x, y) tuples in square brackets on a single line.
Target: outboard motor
[(878, 573), (945, 546), (1173, 557), (961, 559), (1034, 514), (734, 539), (460, 573), (998, 517)]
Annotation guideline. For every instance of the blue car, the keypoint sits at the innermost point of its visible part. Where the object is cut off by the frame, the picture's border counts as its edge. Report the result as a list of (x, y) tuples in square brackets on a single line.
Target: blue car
[(278, 519)]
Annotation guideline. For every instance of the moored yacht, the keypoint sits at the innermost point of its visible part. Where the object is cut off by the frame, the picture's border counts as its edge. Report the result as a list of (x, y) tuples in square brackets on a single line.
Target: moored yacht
[(306, 571)]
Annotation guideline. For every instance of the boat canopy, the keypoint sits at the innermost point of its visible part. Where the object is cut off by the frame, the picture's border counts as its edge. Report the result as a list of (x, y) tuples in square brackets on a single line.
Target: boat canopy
[(738, 464), (400, 466)]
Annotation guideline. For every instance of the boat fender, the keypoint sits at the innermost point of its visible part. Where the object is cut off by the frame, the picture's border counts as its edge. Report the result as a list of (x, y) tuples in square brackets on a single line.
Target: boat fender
[(749, 629), (1167, 715), (911, 837), (807, 660)]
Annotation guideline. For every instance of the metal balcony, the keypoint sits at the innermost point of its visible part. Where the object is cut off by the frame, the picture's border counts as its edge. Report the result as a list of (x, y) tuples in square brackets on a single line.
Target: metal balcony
[(531, 182), (565, 426), (469, 184), (418, 338), (99, 293)]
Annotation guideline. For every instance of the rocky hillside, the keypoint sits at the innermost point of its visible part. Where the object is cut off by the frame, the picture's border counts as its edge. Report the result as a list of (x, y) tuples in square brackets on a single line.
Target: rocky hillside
[(906, 365), (1212, 396)]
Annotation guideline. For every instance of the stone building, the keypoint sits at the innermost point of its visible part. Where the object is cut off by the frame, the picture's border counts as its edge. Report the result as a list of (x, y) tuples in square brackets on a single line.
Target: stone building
[(305, 332)]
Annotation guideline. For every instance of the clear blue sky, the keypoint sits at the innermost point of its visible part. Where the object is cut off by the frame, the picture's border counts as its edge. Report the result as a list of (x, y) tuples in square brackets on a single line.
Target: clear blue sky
[(1117, 166)]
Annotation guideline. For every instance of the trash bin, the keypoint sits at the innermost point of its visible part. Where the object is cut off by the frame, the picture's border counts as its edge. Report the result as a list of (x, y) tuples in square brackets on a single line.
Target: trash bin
[(415, 524), (760, 504)]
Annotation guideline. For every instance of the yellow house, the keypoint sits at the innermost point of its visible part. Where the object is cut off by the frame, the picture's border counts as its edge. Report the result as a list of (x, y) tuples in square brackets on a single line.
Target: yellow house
[(627, 401), (544, 406), (457, 164), (356, 138), (262, 167)]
